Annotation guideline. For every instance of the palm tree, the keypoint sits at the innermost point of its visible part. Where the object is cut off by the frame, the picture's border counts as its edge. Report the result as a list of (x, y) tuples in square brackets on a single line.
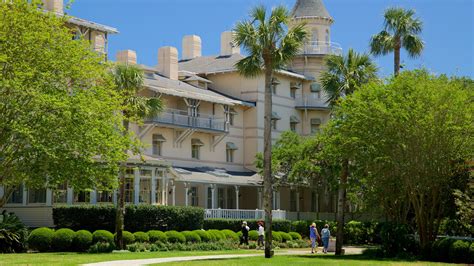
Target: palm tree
[(270, 46), (401, 30), (129, 81), (343, 76)]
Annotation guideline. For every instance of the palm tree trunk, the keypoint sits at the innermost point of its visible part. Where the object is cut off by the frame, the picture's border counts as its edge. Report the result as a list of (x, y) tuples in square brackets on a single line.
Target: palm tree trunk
[(341, 207), (267, 163), (396, 55), (120, 214)]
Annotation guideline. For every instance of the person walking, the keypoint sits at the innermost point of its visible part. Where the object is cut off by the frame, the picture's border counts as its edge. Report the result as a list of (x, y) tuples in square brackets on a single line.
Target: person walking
[(325, 235), (314, 236), (245, 234), (261, 233)]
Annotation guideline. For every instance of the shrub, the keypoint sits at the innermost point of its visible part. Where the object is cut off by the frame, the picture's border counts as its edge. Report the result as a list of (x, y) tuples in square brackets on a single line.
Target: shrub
[(253, 235), (218, 235), (40, 239), (137, 217), (140, 247), (295, 235), (440, 249), (141, 237), (229, 234), (62, 239), (396, 239), (471, 253), (285, 237), (212, 236), (82, 240), (236, 225), (102, 236), (192, 237), (355, 233), (101, 247), (13, 233), (157, 236), (277, 236), (205, 237), (175, 237), (128, 238), (459, 251)]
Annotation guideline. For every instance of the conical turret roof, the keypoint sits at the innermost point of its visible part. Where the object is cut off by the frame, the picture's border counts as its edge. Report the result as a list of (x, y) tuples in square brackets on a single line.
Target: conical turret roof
[(310, 8)]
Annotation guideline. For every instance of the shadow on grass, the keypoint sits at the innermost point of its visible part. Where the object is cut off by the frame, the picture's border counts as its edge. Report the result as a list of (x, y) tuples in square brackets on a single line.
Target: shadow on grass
[(356, 257)]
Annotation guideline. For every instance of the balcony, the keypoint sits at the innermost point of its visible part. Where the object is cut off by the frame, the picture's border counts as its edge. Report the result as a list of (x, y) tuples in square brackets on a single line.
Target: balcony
[(180, 118), (322, 48), (311, 102)]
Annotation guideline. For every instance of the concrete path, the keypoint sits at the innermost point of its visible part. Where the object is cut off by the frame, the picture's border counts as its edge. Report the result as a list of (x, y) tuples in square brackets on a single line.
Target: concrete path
[(348, 250)]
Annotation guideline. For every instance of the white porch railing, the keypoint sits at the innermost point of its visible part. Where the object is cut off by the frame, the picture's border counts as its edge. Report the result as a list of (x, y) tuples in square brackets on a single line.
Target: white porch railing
[(320, 47), (260, 214)]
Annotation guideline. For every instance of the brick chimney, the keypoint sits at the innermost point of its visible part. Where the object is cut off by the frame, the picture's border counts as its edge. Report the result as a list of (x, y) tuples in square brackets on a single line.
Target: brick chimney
[(191, 47), (54, 6), (168, 62), (127, 57), (227, 45)]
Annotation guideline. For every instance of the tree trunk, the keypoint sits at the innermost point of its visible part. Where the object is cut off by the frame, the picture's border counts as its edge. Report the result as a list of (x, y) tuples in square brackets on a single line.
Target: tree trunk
[(120, 214), (267, 163), (341, 207), (7, 192), (396, 55)]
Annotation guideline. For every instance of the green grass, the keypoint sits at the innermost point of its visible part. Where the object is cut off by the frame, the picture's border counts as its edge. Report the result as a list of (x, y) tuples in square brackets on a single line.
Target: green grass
[(70, 258), (285, 260)]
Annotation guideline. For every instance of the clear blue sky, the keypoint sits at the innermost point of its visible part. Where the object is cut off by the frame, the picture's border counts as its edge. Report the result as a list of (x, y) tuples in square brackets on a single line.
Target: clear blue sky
[(146, 25)]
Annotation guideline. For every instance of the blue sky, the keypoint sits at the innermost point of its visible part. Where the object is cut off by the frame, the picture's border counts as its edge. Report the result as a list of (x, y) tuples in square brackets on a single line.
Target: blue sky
[(146, 25)]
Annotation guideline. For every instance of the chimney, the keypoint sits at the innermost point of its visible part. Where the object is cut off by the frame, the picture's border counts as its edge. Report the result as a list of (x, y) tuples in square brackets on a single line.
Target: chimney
[(54, 6), (191, 47), (127, 57), (227, 44), (168, 62)]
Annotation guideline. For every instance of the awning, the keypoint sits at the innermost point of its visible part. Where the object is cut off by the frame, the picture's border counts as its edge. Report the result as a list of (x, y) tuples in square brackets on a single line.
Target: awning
[(231, 146), (197, 142), (216, 176), (315, 87), (295, 85), (316, 121), (275, 82), (158, 138), (232, 111), (294, 119), (275, 116)]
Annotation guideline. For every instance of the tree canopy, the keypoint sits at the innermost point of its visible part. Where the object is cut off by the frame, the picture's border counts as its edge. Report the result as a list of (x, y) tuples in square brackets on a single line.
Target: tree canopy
[(59, 119)]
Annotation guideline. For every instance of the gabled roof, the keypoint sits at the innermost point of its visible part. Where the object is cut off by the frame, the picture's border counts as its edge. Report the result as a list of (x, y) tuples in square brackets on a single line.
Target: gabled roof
[(206, 65), (92, 25), (310, 9)]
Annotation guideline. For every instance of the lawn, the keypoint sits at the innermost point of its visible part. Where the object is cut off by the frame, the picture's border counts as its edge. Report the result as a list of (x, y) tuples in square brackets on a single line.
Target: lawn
[(71, 258), (349, 260)]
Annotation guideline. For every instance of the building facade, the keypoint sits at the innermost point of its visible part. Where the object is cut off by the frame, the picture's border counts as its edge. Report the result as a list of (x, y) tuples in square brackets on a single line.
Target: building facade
[(200, 151)]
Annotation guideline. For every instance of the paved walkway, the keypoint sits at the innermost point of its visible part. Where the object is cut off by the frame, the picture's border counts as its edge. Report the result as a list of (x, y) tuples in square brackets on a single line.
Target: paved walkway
[(348, 250)]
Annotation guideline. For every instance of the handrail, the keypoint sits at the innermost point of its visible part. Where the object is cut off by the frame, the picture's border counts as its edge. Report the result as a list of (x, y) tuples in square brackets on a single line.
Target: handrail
[(310, 101), (322, 47), (175, 117)]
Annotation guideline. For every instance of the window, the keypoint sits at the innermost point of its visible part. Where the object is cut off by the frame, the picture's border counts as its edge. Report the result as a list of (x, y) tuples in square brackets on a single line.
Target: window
[(145, 187), (275, 83), (275, 117), (60, 193), (129, 186), (232, 114), (327, 36), (17, 195), (105, 196), (194, 196), (158, 183), (82, 197), (230, 148), (274, 124), (293, 200), (195, 148), (293, 127), (220, 198), (314, 37), (209, 197), (315, 129), (314, 201), (157, 141), (274, 90), (293, 93), (37, 195)]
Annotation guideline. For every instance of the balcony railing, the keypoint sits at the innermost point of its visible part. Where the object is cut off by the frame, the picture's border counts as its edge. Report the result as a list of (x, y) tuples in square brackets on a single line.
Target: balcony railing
[(311, 102), (260, 214), (315, 48), (182, 119)]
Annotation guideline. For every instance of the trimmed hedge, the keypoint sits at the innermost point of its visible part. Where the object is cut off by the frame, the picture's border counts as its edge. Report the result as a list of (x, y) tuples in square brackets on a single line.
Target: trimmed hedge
[(253, 235), (82, 240), (175, 237), (277, 236), (459, 252), (286, 237), (218, 235), (128, 237), (41, 238), (236, 225), (62, 239), (205, 236), (141, 237), (102, 236), (137, 218), (231, 235), (157, 236), (452, 250), (295, 236), (192, 237)]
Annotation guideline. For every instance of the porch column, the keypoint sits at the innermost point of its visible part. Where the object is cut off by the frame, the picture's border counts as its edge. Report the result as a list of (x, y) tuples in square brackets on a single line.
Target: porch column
[(25, 195), (237, 197), (186, 193), (274, 200), (69, 195), (153, 186), (213, 196), (297, 200), (93, 197), (49, 197), (164, 189), (136, 186), (114, 197), (173, 188), (259, 203)]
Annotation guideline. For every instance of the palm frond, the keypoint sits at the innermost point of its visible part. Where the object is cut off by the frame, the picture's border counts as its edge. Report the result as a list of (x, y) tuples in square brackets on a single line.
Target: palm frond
[(381, 43), (413, 44)]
